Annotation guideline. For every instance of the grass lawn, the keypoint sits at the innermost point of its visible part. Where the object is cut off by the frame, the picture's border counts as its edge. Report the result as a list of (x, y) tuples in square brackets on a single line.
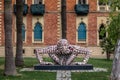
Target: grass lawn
[(39, 75)]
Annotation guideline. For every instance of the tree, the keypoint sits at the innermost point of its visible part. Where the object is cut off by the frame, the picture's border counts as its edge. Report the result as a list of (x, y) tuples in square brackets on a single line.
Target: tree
[(10, 68), (115, 74), (109, 42), (112, 42), (113, 30), (114, 38), (19, 43)]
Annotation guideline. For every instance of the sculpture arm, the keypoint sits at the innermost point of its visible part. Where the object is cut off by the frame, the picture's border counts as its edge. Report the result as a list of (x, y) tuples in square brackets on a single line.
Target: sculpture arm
[(82, 50), (50, 49)]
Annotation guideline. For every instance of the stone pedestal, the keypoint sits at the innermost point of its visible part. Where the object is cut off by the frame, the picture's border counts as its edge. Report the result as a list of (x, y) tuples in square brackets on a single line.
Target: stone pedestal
[(63, 75), (64, 71), (64, 67)]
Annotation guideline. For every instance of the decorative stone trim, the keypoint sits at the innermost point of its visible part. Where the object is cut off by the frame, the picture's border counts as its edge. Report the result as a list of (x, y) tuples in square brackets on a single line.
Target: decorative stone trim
[(59, 20), (59, 26), (59, 5)]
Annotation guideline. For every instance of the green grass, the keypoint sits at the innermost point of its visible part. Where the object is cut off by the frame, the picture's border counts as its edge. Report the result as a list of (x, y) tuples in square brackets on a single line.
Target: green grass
[(39, 75)]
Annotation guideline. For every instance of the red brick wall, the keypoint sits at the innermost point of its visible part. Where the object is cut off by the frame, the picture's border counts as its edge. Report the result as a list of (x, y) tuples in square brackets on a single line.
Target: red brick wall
[(51, 23), (51, 5), (70, 5), (50, 29), (92, 5), (29, 29), (71, 21), (29, 25), (92, 29), (71, 27), (2, 34), (2, 23)]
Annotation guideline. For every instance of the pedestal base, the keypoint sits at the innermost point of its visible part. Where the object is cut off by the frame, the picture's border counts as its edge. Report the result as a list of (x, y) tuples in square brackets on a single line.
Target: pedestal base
[(64, 67)]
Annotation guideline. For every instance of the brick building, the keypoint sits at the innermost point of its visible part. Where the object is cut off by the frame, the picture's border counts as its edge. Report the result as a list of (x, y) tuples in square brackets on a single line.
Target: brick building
[(42, 23)]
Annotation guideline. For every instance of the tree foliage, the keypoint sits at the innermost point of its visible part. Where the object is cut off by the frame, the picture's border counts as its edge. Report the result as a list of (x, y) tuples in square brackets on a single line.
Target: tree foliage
[(112, 41), (113, 28)]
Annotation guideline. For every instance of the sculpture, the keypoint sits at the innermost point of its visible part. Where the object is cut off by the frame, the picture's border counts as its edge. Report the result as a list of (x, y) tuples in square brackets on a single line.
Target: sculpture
[(63, 53)]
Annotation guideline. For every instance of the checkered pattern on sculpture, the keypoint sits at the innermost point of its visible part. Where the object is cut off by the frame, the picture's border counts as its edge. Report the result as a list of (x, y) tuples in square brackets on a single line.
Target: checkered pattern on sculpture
[(63, 53)]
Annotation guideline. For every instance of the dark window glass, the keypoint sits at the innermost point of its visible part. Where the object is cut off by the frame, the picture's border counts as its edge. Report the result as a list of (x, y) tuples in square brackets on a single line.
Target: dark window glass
[(102, 32), (82, 1), (82, 32), (38, 32), (23, 32)]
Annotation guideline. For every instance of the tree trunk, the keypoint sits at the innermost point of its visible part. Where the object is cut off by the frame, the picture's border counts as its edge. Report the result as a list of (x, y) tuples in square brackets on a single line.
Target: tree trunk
[(10, 68), (63, 18), (19, 43), (115, 74), (108, 55)]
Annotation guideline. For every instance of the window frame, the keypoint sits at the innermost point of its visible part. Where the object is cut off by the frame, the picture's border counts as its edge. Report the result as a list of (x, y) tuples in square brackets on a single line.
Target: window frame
[(37, 41), (82, 40), (101, 26)]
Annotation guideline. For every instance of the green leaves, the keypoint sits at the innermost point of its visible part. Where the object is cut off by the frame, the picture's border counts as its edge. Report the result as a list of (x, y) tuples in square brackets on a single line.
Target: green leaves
[(113, 29)]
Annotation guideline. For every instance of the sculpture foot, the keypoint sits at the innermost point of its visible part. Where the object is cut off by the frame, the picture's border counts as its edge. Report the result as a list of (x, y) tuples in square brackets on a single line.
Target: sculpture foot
[(46, 63), (78, 63)]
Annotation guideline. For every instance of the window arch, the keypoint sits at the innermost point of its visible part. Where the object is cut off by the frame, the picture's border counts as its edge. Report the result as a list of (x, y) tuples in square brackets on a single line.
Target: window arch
[(102, 32), (82, 32), (23, 32), (38, 32)]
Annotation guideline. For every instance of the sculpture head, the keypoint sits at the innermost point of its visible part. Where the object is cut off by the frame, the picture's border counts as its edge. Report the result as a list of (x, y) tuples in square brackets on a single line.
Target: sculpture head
[(62, 45)]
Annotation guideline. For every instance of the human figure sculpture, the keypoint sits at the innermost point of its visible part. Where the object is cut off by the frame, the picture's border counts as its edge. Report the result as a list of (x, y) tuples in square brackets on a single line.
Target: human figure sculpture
[(63, 53)]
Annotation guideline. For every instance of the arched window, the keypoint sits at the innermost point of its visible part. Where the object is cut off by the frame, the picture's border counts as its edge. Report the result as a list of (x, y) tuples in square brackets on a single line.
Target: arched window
[(23, 32), (82, 32), (102, 32), (38, 32)]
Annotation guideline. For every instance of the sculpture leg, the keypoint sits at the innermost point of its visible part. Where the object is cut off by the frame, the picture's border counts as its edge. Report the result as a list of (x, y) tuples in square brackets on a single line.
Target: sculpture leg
[(85, 60), (40, 59), (70, 59), (55, 58)]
